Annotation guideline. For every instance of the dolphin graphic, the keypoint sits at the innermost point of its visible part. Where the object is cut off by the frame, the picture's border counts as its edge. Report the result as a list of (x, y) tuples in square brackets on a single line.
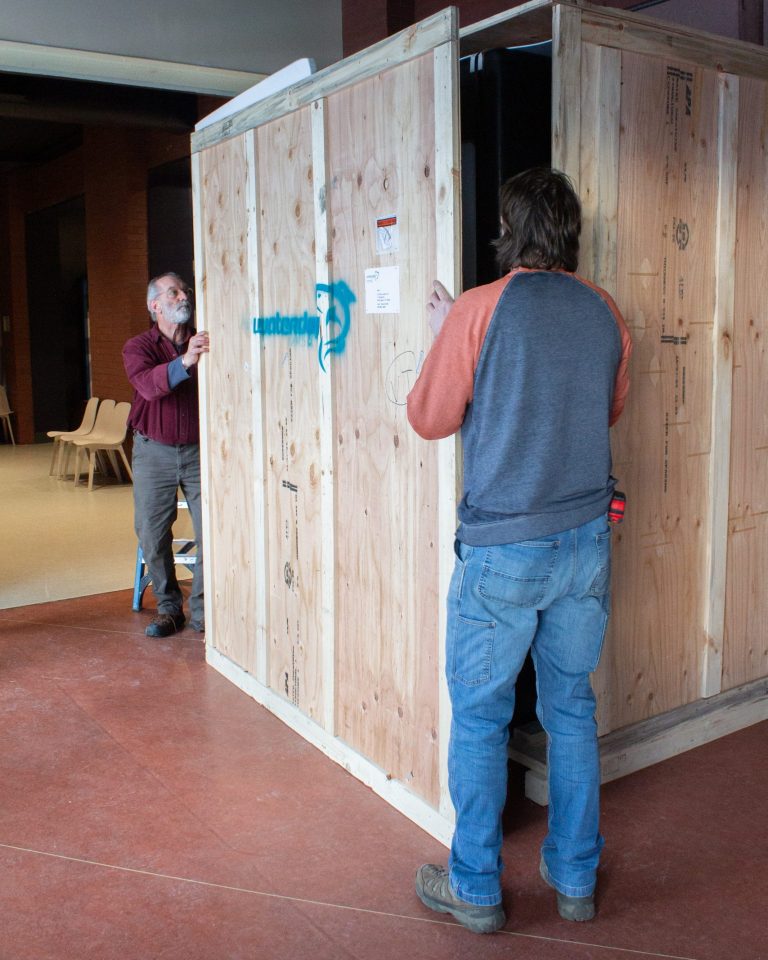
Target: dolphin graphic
[(332, 298)]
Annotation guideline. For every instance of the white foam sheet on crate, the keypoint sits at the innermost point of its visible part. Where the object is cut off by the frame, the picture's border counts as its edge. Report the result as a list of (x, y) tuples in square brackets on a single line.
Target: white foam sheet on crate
[(293, 73)]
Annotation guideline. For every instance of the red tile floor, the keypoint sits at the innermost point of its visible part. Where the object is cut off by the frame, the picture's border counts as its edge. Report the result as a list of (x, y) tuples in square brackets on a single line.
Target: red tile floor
[(151, 811)]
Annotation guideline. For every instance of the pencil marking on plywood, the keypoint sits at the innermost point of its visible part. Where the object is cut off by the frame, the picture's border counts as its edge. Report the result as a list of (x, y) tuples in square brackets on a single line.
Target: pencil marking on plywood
[(401, 375)]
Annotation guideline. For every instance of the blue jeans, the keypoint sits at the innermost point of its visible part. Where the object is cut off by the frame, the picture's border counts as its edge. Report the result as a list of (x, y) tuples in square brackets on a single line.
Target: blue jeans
[(159, 469), (551, 596)]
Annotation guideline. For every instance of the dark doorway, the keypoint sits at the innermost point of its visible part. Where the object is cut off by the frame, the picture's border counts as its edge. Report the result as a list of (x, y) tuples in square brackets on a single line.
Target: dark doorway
[(169, 200), (506, 127), (58, 315)]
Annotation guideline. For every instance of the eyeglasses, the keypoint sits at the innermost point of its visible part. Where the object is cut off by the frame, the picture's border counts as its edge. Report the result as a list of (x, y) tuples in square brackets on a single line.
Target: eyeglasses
[(174, 293)]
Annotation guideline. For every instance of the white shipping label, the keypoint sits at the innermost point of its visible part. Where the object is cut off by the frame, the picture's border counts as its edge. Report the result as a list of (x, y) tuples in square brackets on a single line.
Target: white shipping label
[(382, 290)]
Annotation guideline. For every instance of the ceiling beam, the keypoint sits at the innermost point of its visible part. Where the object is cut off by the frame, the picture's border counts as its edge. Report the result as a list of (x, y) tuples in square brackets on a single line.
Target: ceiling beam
[(33, 58)]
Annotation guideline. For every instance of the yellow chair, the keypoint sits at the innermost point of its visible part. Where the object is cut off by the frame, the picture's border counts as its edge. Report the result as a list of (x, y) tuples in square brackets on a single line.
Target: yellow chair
[(107, 439), (89, 418), (5, 415)]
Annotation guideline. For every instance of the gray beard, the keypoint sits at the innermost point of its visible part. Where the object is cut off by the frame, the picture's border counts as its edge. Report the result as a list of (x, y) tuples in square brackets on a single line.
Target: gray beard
[(181, 313)]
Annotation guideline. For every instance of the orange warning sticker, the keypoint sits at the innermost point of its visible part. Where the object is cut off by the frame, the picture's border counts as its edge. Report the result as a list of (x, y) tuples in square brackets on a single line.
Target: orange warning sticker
[(387, 235)]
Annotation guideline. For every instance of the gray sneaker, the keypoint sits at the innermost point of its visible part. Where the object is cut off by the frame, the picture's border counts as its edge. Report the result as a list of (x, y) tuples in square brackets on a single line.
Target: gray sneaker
[(434, 890), (570, 908)]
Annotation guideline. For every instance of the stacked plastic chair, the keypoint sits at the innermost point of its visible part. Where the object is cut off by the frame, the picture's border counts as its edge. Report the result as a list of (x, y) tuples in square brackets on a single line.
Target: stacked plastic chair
[(107, 436), (89, 418), (67, 439)]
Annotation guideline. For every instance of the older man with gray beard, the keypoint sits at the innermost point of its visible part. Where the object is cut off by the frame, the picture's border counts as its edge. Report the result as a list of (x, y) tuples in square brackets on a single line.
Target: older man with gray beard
[(161, 365)]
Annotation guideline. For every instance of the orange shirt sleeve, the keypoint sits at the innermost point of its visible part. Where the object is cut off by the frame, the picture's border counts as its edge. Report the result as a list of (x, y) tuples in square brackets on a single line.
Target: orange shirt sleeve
[(621, 388), (622, 376), (438, 401)]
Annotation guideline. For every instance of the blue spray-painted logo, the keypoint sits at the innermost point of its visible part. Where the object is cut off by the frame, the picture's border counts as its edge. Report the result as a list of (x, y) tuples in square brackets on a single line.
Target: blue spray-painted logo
[(334, 325), (303, 326), (330, 326)]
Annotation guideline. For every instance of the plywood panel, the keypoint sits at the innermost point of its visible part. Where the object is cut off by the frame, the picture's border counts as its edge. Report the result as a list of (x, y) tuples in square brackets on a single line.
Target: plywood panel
[(677, 44), (722, 385), (746, 641), (260, 533), (382, 166), (667, 203), (566, 73), (324, 279), (287, 325), (229, 452), (599, 163)]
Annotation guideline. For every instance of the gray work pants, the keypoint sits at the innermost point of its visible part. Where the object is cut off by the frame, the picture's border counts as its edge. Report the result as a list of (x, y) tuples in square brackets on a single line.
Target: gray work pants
[(159, 469)]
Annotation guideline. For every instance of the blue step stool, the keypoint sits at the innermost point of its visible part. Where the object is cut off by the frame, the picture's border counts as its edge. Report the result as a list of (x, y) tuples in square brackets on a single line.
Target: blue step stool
[(181, 557)]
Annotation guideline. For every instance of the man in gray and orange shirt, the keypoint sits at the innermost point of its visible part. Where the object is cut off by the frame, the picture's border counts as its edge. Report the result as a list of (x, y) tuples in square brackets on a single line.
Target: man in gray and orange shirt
[(533, 369)]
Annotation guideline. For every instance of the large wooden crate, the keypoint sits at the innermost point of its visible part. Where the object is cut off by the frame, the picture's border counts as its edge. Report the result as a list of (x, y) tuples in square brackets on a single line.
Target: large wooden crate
[(322, 216)]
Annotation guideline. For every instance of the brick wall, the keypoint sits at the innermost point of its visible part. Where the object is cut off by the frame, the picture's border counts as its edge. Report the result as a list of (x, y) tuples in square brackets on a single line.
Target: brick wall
[(25, 191), (116, 232), (110, 170)]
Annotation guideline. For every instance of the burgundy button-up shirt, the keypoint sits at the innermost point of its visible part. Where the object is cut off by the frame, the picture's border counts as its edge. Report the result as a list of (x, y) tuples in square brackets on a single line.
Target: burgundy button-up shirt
[(160, 411)]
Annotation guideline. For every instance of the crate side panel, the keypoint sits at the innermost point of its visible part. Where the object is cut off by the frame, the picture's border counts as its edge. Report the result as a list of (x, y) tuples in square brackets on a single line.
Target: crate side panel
[(665, 287), (231, 611), (746, 636), (382, 208), (287, 327), (599, 163)]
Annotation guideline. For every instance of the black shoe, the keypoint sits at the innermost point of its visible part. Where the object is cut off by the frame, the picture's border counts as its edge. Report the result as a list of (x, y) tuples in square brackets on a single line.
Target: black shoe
[(578, 909), (434, 889), (165, 624)]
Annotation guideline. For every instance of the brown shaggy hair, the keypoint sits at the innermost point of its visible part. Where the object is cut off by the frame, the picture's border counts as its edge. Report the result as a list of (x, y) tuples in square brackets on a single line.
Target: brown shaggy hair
[(540, 222)]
